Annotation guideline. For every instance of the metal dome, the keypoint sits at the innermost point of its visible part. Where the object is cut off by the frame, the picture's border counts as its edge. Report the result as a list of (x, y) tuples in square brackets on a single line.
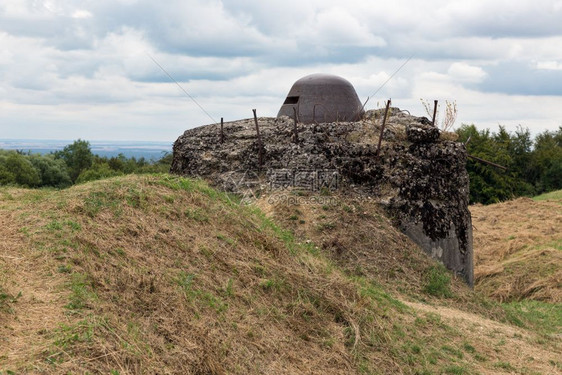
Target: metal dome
[(322, 98)]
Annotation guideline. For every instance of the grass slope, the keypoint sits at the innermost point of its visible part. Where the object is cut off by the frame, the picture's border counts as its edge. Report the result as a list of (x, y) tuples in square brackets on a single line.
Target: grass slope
[(161, 274), (519, 249)]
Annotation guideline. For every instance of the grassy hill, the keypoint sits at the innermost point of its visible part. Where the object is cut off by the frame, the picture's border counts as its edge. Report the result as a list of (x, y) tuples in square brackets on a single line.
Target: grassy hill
[(161, 274)]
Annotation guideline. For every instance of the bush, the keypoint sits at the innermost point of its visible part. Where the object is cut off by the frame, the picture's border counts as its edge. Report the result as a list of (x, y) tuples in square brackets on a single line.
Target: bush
[(97, 172), (77, 156), (23, 171)]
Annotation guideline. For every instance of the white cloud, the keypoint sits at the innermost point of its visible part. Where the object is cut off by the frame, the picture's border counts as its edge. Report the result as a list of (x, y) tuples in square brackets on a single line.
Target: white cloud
[(336, 27), (549, 65), (463, 72), (81, 13)]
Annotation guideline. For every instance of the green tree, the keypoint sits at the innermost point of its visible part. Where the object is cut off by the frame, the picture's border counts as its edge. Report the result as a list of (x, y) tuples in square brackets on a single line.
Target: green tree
[(546, 161), (118, 163), (53, 172), (533, 166), (23, 171), (161, 165), (489, 184), (74, 164), (520, 149), (77, 156), (6, 177)]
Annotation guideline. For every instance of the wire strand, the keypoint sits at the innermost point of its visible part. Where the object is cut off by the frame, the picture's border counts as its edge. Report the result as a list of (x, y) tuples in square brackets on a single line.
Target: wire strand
[(181, 88), (385, 82)]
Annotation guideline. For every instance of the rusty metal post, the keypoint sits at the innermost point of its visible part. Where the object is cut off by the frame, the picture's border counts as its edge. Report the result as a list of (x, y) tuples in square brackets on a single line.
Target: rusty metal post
[(296, 131), (222, 130), (434, 112), (260, 147), (382, 127)]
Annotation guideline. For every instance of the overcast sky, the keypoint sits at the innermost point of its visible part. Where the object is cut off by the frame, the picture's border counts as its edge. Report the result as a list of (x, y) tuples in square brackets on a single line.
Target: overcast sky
[(82, 69)]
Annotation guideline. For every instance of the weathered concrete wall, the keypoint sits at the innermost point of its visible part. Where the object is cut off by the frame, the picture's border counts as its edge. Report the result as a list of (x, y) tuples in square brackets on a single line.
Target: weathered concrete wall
[(419, 176)]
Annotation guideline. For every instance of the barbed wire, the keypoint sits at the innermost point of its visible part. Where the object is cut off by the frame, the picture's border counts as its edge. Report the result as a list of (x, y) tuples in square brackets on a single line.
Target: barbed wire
[(181, 88)]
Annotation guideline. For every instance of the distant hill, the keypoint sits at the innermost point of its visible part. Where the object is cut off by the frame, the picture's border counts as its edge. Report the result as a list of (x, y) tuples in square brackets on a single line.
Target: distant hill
[(148, 150), (160, 274)]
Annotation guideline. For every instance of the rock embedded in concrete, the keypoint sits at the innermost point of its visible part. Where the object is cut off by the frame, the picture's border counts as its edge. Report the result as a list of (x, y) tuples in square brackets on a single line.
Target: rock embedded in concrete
[(421, 133), (420, 178)]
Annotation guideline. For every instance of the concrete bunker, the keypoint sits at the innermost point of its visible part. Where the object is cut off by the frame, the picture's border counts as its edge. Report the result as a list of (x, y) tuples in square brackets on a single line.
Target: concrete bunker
[(417, 175), (321, 98)]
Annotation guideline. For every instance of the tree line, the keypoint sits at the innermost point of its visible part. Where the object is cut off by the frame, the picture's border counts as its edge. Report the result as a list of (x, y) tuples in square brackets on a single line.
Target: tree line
[(72, 165), (534, 165)]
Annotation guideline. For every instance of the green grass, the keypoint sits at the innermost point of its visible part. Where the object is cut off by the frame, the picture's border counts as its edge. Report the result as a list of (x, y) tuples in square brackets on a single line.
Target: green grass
[(196, 214), (469, 348), (452, 351), (194, 185), (69, 334), (199, 296), (504, 366), (4, 299), (553, 195), (542, 317), (274, 284), (438, 282), (99, 200), (82, 292)]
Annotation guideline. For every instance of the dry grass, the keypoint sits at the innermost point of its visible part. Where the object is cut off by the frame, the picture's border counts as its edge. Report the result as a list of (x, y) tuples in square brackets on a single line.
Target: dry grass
[(159, 274), (359, 238), (518, 250), (27, 280), (353, 232), (165, 275)]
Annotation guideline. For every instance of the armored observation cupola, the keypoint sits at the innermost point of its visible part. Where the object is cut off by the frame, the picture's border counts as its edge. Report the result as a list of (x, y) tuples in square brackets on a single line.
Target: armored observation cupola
[(322, 98)]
